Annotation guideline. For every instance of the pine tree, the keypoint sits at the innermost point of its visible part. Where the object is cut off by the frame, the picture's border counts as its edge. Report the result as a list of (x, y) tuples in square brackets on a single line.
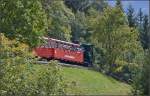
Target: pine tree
[(131, 16), (140, 19), (78, 5), (119, 4), (145, 34), (146, 76)]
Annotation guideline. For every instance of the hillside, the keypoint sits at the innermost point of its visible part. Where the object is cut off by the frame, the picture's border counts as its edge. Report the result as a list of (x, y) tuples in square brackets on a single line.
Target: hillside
[(89, 82)]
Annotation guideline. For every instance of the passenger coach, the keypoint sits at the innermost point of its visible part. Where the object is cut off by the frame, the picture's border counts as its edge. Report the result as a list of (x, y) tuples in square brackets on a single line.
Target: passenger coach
[(64, 51)]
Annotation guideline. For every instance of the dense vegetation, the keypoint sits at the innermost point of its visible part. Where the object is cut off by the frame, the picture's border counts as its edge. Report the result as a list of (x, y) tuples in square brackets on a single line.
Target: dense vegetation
[(19, 75), (121, 42)]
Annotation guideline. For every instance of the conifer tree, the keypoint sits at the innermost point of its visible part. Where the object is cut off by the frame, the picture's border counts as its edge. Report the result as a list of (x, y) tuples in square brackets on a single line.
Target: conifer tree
[(119, 4), (145, 34), (131, 16), (140, 19)]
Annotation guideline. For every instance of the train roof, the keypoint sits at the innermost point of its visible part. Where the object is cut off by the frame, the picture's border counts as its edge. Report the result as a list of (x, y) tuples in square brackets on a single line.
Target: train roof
[(69, 43)]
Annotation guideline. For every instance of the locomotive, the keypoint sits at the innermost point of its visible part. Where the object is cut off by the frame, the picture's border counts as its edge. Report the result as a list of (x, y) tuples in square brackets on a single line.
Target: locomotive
[(72, 53)]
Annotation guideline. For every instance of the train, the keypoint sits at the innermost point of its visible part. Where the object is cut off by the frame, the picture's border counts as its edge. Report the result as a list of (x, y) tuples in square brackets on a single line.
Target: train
[(68, 52)]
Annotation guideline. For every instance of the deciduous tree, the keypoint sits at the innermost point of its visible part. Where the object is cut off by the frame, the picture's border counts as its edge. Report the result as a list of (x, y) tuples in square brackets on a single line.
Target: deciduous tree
[(59, 19), (24, 20), (114, 36)]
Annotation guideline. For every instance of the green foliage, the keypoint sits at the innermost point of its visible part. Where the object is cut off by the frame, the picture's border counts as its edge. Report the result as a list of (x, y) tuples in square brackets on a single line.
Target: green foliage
[(78, 5), (118, 4), (83, 10), (24, 20), (78, 26), (59, 18), (27, 79), (85, 5), (113, 36), (140, 18), (141, 80), (21, 76), (131, 16), (145, 74), (141, 22), (144, 33)]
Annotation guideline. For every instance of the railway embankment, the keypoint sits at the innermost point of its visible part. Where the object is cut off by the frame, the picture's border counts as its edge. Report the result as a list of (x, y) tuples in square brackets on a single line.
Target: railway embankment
[(81, 81)]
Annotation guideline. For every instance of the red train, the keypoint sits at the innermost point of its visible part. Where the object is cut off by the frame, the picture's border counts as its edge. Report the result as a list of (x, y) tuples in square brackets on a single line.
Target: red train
[(65, 51)]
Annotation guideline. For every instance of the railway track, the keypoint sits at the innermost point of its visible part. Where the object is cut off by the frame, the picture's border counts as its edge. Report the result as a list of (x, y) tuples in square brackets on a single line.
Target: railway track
[(64, 64)]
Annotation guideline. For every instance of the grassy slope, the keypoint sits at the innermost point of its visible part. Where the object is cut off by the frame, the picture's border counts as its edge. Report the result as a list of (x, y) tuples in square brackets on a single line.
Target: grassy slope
[(89, 82)]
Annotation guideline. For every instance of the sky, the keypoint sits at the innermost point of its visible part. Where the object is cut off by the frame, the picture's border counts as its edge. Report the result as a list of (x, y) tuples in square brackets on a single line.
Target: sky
[(136, 4)]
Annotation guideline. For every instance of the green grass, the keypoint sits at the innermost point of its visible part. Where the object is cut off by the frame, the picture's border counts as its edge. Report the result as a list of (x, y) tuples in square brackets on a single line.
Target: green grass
[(88, 82)]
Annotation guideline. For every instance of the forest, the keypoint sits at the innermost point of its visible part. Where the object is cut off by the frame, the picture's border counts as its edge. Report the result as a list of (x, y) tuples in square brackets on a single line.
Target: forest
[(121, 43)]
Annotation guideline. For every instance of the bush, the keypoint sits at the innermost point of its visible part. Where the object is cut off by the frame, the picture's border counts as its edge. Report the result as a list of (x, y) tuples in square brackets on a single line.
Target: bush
[(21, 76), (141, 84), (31, 79)]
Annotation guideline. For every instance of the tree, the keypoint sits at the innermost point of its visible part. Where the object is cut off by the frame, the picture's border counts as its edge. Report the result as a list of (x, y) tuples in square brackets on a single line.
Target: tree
[(140, 19), (20, 76), (114, 37), (26, 21), (131, 16), (59, 19), (145, 76), (78, 5), (141, 83), (145, 34), (78, 26), (85, 5), (83, 11), (118, 4)]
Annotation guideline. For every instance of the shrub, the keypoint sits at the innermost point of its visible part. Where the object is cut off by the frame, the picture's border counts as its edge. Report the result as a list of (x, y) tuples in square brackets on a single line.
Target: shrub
[(27, 79), (21, 76)]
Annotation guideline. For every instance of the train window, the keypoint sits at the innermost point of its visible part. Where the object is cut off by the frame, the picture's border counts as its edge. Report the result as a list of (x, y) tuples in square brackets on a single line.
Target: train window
[(42, 46), (69, 47), (49, 44), (62, 45), (79, 49), (59, 45), (46, 46), (73, 48), (55, 45), (52, 44), (65, 47)]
